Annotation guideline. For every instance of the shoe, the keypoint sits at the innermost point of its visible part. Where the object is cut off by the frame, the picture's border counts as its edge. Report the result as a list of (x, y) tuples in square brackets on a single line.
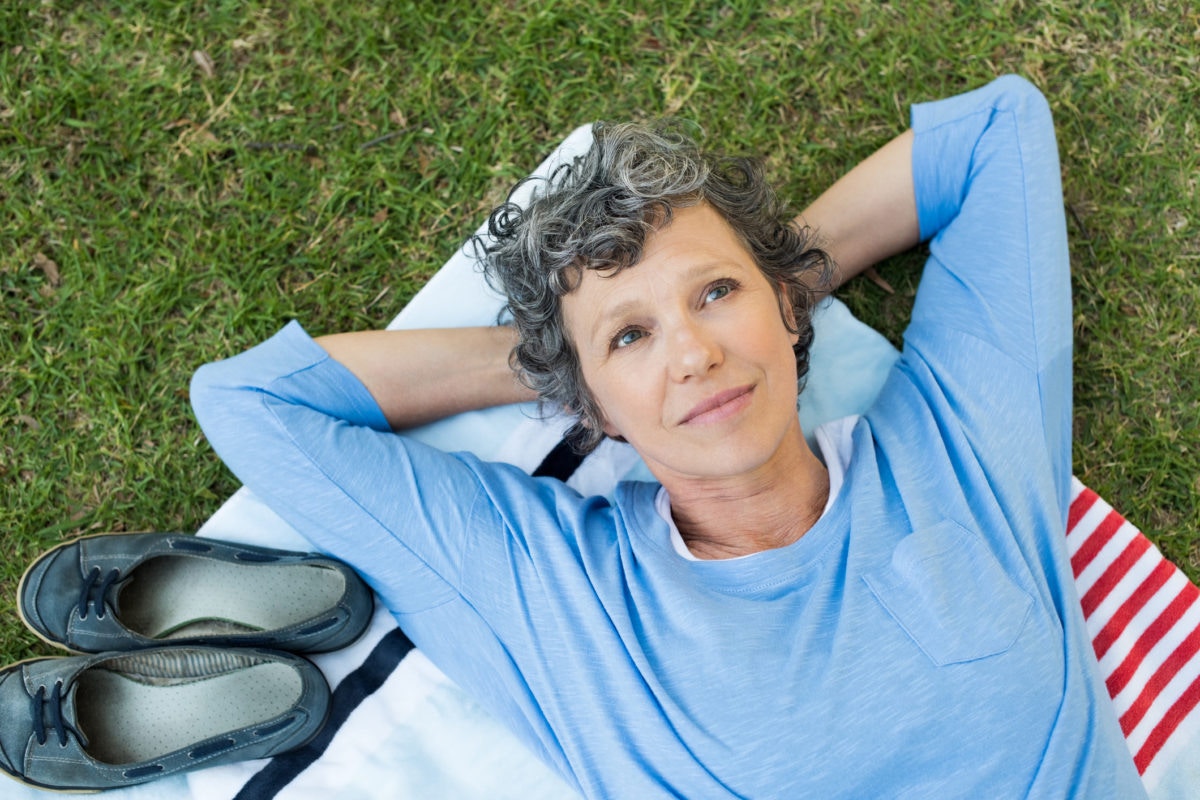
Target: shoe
[(92, 722), (131, 591)]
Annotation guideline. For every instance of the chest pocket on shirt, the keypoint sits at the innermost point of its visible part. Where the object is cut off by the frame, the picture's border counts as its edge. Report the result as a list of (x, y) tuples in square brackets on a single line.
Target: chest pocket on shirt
[(950, 595)]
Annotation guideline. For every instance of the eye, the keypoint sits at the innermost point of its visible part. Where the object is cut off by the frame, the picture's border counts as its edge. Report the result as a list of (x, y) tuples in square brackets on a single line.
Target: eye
[(719, 290), (626, 337)]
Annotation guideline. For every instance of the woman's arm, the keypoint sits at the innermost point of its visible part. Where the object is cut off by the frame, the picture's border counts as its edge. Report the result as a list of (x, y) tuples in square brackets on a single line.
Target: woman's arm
[(870, 213), (419, 376)]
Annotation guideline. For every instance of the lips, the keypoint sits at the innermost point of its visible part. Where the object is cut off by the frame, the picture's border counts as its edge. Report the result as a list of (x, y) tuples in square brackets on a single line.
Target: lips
[(719, 405)]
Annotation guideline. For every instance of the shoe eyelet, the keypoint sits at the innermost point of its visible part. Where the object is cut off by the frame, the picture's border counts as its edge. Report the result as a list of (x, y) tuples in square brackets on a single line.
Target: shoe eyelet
[(141, 772), (212, 748)]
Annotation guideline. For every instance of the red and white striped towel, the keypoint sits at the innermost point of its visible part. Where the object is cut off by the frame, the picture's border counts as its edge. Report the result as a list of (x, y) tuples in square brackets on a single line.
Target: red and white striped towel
[(1144, 620)]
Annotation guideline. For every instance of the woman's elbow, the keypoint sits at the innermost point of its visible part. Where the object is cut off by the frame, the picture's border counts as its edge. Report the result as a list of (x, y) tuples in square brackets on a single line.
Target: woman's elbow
[(215, 402)]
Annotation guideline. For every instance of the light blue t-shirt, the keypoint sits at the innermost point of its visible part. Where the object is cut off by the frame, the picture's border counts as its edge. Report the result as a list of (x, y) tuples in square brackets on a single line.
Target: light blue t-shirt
[(922, 640)]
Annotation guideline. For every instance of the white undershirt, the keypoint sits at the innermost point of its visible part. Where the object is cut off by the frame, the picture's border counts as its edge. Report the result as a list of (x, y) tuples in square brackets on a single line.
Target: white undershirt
[(835, 445)]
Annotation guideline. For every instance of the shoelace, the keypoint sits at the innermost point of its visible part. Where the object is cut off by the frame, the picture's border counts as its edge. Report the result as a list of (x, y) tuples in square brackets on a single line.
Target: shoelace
[(86, 596), (54, 704)]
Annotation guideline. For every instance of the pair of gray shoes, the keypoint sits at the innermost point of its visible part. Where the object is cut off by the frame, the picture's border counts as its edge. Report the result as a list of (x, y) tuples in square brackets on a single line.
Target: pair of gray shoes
[(191, 664)]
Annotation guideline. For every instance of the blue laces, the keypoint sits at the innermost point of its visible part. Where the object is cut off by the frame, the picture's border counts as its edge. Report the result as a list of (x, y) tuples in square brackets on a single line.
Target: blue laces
[(53, 704), (86, 596)]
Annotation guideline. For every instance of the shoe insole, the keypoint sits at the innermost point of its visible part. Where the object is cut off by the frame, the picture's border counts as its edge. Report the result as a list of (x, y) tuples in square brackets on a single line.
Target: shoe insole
[(170, 598), (127, 720)]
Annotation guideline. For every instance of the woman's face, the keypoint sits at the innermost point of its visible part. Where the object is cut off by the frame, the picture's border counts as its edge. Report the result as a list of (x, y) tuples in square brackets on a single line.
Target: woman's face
[(686, 353)]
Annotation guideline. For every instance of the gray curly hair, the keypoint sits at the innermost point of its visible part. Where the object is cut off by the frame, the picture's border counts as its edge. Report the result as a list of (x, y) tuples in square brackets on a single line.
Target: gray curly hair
[(596, 211)]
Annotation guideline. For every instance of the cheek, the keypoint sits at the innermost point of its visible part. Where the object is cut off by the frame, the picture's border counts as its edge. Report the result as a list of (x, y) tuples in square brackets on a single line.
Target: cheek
[(771, 339), (622, 400), (776, 349)]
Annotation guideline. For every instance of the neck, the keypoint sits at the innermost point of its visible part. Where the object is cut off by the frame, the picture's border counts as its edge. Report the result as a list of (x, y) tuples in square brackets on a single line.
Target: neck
[(770, 507)]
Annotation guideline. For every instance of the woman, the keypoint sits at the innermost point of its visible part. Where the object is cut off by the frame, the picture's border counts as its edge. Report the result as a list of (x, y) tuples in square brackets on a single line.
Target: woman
[(890, 616)]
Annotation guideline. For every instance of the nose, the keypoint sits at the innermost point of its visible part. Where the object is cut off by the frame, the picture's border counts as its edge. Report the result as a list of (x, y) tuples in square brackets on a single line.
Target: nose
[(694, 350)]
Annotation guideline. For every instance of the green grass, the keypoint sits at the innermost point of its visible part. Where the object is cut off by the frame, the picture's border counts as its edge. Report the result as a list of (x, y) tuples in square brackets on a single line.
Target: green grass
[(160, 208)]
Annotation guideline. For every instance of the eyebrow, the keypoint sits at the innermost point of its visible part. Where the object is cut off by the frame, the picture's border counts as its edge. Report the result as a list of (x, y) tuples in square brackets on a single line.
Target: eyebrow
[(608, 319)]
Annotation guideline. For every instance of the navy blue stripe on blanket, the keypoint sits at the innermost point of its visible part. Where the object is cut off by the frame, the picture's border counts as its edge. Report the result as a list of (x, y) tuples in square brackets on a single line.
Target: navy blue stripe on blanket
[(353, 690), (561, 463)]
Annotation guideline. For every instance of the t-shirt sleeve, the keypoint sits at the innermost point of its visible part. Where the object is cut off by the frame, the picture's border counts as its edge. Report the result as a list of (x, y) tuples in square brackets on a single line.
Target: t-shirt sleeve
[(989, 200), (303, 433)]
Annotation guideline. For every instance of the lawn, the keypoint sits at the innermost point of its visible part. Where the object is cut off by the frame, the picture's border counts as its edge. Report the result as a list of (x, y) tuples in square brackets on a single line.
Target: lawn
[(178, 179)]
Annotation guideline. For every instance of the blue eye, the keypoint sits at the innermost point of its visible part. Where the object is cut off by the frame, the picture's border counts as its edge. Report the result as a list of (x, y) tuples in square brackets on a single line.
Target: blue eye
[(717, 292), (627, 337)]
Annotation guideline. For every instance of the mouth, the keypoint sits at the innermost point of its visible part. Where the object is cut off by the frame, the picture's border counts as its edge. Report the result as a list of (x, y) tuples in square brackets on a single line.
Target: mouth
[(720, 406)]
